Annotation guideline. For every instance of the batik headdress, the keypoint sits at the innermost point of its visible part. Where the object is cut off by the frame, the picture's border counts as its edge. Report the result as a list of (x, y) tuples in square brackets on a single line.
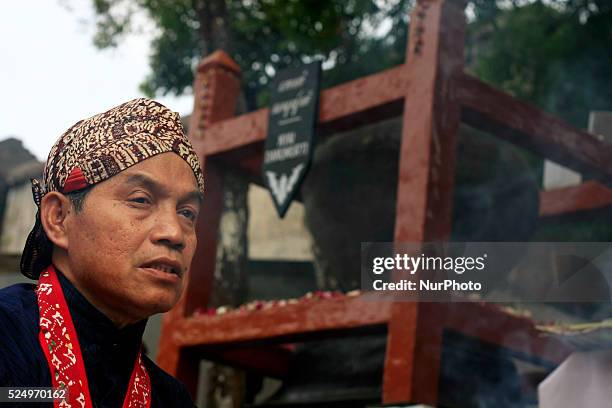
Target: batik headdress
[(98, 148)]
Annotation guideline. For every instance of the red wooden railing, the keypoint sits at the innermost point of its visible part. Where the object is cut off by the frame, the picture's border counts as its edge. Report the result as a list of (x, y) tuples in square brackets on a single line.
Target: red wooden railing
[(434, 95)]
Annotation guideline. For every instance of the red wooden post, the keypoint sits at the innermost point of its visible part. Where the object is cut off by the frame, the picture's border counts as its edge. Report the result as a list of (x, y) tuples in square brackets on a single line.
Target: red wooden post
[(425, 189), (217, 87), (216, 90)]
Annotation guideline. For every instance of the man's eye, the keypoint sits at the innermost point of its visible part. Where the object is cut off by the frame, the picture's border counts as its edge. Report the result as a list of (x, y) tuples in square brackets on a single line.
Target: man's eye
[(140, 200), (190, 215)]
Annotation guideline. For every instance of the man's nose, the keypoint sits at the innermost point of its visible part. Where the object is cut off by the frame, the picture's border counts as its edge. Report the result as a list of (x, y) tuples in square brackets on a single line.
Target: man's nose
[(167, 230)]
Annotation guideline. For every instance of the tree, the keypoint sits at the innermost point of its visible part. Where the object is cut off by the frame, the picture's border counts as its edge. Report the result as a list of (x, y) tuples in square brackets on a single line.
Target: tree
[(557, 54), (261, 35)]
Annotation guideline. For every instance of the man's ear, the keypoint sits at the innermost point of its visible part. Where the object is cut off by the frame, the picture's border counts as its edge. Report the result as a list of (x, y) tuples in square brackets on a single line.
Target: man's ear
[(54, 210)]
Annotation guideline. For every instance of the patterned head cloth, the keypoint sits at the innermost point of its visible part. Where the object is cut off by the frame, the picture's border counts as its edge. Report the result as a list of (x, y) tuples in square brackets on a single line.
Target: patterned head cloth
[(98, 148)]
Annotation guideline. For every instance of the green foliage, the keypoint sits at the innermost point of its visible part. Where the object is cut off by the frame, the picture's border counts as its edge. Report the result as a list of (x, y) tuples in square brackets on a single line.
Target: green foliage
[(176, 48), (266, 35), (556, 53)]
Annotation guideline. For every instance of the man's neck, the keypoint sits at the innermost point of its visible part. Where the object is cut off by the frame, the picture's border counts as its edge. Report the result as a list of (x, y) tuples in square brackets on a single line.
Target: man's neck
[(120, 319)]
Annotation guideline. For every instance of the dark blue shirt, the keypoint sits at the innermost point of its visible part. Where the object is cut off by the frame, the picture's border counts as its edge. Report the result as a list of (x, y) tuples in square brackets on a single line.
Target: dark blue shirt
[(109, 353)]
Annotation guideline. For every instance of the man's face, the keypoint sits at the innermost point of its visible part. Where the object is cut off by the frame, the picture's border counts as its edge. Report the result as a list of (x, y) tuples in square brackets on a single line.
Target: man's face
[(132, 242)]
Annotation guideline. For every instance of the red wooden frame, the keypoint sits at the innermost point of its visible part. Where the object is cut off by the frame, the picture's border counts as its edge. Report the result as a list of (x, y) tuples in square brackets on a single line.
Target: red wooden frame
[(434, 95)]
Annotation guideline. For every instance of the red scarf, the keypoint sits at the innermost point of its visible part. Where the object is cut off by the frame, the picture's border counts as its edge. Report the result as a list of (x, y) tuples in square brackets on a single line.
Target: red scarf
[(59, 341)]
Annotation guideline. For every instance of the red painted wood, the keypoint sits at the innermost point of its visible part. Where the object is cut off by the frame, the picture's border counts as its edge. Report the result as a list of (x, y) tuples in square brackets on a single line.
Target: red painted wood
[(168, 352), (425, 188), (431, 120), (412, 365), (587, 196), (288, 323), (527, 126), (364, 94), (235, 133), (247, 339), (171, 357), (354, 98), (432, 101), (216, 89), (197, 292), (491, 324)]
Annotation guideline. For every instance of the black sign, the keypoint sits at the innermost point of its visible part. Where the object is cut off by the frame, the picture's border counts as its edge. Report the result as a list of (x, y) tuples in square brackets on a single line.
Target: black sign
[(294, 109)]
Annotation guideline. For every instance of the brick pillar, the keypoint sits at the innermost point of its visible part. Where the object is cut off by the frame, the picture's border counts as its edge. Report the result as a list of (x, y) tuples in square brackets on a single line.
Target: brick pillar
[(425, 189), (216, 90)]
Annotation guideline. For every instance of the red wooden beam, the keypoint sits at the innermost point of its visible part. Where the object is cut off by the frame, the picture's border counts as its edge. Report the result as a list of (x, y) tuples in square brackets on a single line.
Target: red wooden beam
[(490, 324), (587, 196), (223, 337), (425, 189), (432, 102), (172, 358), (216, 88), (414, 349), (234, 133), (525, 125), (289, 323), (362, 97)]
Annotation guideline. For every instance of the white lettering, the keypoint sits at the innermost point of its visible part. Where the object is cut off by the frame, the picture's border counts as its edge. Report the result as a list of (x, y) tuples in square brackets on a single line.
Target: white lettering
[(290, 107), (283, 153), (292, 83), (285, 139), (449, 284)]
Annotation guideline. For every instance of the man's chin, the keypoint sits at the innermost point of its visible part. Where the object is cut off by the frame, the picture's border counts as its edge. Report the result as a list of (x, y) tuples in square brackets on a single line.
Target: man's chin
[(162, 304)]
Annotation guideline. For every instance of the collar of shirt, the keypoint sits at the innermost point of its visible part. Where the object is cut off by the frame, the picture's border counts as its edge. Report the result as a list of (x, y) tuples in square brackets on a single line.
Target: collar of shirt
[(109, 353), (93, 327)]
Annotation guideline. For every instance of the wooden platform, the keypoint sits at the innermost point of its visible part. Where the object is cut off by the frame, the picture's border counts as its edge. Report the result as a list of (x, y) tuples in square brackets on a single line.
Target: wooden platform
[(434, 95), (255, 339)]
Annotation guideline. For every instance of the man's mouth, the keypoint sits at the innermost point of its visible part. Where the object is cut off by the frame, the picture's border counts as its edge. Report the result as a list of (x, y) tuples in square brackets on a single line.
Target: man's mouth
[(166, 266)]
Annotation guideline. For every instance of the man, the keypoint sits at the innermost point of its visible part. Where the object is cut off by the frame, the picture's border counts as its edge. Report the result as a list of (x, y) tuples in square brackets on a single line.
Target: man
[(113, 240)]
